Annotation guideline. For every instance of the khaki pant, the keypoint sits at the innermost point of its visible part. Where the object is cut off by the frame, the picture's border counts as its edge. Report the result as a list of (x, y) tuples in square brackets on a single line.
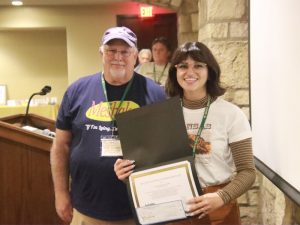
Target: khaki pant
[(81, 219), (229, 214)]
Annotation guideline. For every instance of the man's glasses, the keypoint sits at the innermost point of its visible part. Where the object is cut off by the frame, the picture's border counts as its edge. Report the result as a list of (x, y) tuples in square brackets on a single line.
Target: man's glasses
[(197, 67), (113, 52)]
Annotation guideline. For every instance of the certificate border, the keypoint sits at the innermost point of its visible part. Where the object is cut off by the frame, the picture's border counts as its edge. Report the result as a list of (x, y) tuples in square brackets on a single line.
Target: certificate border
[(186, 165), (189, 158)]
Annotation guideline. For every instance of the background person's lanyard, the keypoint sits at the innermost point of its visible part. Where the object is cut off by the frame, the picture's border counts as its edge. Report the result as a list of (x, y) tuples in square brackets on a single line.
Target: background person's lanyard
[(161, 74), (201, 125), (122, 99)]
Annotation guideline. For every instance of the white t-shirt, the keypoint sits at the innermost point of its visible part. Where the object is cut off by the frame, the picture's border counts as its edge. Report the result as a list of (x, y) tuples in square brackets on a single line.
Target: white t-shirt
[(225, 123), (161, 71)]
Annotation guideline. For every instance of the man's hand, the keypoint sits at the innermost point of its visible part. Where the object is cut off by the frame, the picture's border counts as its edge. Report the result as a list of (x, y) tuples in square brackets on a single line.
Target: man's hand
[(64, 207)]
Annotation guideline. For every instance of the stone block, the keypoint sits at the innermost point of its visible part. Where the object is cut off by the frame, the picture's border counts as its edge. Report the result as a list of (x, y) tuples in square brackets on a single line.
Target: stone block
[(269, 186), (257, 180), (229, 9), (279, 207), (213, 30), (184, 23), (243, 199), (202, 12), (189, 6), (194, 19), (176, 3), (165, 2), (219, 30), (229, 94), (249, 215), (297, 214), (241, 97), (233, 60), (204, 33), (184, 37), (238, 29), (289, 210), (246, 111), (273, 203), (253, 197), (267, 206)]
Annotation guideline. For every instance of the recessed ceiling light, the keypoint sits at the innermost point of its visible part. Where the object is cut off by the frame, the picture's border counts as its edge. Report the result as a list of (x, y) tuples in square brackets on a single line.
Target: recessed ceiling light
[(16, 2)]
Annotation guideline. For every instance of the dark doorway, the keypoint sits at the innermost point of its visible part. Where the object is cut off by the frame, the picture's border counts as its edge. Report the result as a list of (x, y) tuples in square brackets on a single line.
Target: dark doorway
[(147, 29)]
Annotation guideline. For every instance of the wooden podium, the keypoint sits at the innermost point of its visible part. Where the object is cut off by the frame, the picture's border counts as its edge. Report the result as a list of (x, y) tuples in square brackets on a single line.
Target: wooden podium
[(26, 187)]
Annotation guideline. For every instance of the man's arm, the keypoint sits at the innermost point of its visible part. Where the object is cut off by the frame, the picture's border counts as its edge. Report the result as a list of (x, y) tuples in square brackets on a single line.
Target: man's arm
[(59, 160)]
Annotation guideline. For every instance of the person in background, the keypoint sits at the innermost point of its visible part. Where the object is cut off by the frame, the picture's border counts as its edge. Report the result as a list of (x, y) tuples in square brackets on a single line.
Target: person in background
[(158, 69), (86, 144), (144, 56), (219, 134)]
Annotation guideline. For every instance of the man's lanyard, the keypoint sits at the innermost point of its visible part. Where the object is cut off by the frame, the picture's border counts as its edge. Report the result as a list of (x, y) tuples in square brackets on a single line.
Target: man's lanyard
[(201, 125), (122, 99), (161, 74)]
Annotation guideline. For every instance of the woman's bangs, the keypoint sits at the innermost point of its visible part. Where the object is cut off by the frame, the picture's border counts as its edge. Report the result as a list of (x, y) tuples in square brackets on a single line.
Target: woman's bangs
[(196, 56)]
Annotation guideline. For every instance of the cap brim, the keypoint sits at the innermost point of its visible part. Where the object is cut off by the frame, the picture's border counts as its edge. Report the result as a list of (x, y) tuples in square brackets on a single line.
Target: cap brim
[(109, 38)]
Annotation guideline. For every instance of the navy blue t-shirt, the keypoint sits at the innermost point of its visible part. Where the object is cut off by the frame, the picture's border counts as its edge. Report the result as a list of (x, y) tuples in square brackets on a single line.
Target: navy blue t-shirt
[(95, 189)]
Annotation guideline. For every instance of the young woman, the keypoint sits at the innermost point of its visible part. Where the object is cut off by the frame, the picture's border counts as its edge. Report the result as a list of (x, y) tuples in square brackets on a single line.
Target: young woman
[(219, 134), (222, 146)]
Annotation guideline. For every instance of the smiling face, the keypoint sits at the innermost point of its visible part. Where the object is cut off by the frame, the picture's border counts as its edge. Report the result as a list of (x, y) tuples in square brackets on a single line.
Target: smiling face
[(118, 61), (192, 77), (194, 72)]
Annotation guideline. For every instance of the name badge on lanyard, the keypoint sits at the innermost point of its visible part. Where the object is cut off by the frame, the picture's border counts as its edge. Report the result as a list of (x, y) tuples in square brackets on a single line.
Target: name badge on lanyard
[(111, 146)]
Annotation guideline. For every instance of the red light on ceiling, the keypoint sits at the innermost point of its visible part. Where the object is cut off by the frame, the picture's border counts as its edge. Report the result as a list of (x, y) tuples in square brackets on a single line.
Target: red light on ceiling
[(146, 11)]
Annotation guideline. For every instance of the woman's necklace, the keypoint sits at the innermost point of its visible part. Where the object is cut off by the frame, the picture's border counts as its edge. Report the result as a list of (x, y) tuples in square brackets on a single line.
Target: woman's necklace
[(161, 74)]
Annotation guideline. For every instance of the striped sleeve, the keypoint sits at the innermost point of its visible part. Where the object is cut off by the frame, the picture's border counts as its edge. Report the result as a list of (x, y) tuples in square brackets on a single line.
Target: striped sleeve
[(245, 177)]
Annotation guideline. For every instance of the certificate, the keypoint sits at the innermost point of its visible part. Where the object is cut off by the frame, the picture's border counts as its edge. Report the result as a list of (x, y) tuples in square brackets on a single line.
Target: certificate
[(159, 193)]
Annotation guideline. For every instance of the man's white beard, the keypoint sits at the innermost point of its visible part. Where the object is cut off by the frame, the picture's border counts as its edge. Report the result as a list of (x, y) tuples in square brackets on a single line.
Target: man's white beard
[(117, 73)]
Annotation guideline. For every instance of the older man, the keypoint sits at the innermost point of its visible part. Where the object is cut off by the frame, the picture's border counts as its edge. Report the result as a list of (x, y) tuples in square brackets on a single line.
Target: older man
[(87, 145)]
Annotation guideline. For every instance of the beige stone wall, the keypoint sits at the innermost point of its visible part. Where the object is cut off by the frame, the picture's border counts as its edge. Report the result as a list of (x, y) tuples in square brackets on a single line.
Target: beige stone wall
[(248, 203), (274, 206), (223, 26), (188, 21)]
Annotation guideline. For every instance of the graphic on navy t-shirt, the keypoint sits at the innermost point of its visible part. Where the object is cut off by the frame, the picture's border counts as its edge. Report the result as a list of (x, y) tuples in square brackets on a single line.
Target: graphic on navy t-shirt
[(106, 112)]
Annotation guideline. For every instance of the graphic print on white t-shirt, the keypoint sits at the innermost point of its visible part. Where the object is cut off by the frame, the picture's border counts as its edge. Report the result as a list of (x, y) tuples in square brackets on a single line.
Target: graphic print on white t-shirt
[(204, 143), (203, 147), (228, 124)]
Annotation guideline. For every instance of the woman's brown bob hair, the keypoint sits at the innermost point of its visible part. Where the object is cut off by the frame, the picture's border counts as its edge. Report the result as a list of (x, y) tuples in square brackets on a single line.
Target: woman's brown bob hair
[(200, 53)]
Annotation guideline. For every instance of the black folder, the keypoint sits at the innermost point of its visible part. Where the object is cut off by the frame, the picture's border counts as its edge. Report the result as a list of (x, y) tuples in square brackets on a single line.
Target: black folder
[(154, 133)]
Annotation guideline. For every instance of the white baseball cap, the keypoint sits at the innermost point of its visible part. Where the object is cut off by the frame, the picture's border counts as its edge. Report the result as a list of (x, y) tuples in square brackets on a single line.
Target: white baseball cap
[(122, 33)]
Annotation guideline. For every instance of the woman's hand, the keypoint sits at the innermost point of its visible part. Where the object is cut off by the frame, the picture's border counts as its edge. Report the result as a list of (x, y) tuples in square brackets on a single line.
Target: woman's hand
[(123, 168), (204, 204)]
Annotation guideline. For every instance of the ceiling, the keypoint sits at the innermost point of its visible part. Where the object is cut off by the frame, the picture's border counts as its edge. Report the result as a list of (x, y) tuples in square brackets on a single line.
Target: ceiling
[(62, 2)]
